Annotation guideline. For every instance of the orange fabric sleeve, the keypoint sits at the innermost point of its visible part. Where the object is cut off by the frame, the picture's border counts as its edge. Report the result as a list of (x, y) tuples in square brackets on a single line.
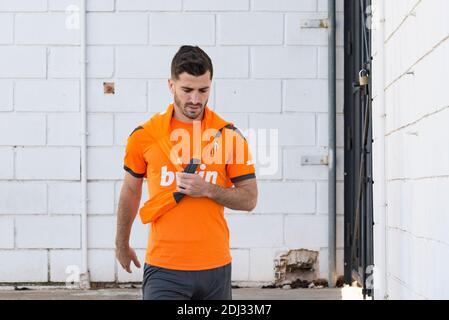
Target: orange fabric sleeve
[(240, 165), (134, 161)]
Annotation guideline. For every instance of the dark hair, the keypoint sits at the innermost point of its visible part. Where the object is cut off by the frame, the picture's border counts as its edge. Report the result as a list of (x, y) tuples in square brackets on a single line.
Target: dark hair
[(192, 60)]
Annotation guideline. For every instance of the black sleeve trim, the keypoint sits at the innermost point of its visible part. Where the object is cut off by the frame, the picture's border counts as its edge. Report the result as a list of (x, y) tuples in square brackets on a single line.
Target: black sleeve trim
[(135, 175), (178, 196), (136, 129), (243, 178)]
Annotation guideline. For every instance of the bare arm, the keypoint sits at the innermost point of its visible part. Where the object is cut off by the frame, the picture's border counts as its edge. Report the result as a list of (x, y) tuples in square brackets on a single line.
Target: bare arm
[(242, 197), (127, 210)]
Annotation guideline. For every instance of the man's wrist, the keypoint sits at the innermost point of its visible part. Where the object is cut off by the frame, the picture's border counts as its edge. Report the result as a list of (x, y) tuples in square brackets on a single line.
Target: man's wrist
[(122, 244), (210, 190)]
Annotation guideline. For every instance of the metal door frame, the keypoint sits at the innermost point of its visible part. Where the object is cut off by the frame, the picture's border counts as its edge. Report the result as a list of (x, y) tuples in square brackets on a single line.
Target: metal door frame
[(358, 183)]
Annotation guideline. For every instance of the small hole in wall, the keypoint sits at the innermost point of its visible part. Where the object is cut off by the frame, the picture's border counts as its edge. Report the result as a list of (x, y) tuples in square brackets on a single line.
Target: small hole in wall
[(109, 87)]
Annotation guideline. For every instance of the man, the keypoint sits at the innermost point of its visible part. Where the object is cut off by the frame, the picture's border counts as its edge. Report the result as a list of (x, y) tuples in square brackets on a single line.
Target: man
[(189, 183)]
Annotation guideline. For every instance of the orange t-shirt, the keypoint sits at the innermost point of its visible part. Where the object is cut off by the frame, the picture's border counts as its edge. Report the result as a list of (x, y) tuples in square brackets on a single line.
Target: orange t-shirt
[(194, 234)]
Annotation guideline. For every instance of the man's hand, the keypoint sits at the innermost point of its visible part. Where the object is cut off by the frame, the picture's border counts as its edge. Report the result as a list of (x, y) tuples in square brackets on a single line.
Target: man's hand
[(242, 197), (125, 255), (192, 185)]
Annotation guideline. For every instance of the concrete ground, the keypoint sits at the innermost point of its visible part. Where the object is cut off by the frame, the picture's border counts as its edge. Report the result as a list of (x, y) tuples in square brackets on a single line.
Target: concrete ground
[(9, 293)]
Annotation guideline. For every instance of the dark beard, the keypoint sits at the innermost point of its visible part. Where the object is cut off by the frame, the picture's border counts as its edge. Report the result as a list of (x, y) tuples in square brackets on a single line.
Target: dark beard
[(184, 111)]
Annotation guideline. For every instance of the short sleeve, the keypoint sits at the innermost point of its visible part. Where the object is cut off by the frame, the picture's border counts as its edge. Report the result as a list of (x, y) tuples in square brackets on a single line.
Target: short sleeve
[(240, 164), (134, 162)]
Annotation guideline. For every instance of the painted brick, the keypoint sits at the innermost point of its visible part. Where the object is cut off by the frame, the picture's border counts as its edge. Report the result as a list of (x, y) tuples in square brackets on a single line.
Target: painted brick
[(285, 5), (125, 124), (100, 129), (101, 232), (159, 96), (178, 29), (309, 232), (306, 95), (285, 62), (293, 130), (294, 169), (102, 265), (48, 232), (6, 233), (91, 5), (22, 129), (323, 63), (64, 62), (6, 95), (286, 198), (323, 130), (229, 62), (7, 161), (144, 62), (322, 197), (297, 35), (255, 231), (64, 265), (63, 129), (47, 96), (100, 197), (117, 28), (45, 28), (23, 266), (23, 198), (7, 27), (48, 163), (215, 5), (130, 96), (149, 5), (105, 163), (250, 29), (248, 96), (64, 198), (23, 5), (262, 264), (240, 264), (22, 62)]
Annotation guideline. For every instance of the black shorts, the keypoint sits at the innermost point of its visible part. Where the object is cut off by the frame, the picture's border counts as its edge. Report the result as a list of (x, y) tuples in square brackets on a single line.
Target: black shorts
[(166, 284)]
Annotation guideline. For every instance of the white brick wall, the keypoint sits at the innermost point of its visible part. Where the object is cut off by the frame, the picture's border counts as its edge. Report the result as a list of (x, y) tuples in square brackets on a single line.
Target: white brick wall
[(240, 264), (144, 5), (22, 62), (7, 161), (177, 29), (48, 232), (23, 197), (285, 62), (269, 74), (23, 5), (24, 265), (64, 62), (6, 233), (44, 28), (46, 96), (117, 28), (6, 95), (251, 29), (248, 96), (47, 163), (92, 5), (415, 154)]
